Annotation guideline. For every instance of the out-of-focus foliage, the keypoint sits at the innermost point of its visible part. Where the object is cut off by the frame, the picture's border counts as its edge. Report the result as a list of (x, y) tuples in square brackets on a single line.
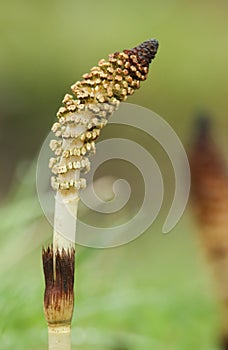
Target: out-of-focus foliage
[(154, 292)]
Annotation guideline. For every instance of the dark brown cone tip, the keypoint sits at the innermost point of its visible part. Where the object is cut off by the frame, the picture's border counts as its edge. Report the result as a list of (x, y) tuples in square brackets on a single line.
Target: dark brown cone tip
[(202, 131), (59, 292), (206, 155), (203, 125), (145, 52)]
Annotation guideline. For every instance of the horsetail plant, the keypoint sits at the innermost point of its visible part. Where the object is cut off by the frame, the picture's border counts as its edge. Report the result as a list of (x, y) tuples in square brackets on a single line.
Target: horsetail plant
[(210, 202), (80, 120)]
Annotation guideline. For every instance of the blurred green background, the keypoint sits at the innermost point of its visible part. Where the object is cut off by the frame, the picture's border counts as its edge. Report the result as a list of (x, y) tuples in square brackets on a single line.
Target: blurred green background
[(156, 292)]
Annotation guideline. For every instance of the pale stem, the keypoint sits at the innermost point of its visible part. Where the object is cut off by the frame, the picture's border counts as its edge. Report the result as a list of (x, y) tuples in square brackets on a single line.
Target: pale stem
[(65, 222), (59, 338)]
